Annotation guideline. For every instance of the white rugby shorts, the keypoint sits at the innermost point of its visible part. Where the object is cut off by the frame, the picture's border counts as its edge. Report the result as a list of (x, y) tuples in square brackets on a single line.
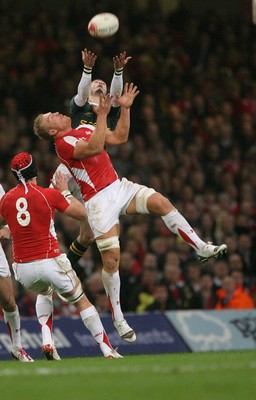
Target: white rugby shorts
[(104, 209), (40, 274), (4, 266)]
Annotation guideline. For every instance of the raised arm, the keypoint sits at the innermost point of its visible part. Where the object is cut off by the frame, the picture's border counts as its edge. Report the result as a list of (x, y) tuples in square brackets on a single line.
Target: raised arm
[(121, 132), (84, 85), (96, 143), (117, 81)]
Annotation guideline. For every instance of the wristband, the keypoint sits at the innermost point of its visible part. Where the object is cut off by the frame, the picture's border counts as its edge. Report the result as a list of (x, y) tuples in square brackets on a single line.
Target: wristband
[(66, 194), (87, 70), (119, 72)]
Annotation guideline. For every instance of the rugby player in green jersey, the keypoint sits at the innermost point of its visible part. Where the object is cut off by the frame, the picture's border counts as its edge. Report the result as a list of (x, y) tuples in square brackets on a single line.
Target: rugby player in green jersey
[(81, 112), (88, 91)]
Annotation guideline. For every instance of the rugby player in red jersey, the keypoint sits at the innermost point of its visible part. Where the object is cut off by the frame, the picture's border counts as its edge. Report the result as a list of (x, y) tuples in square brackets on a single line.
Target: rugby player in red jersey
[(7, 301), (39, 265), (106, 197)]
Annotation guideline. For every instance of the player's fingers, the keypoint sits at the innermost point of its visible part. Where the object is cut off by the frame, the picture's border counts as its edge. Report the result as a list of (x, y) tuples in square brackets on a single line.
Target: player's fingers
[(108, 98), (130, 88), (101, 99)]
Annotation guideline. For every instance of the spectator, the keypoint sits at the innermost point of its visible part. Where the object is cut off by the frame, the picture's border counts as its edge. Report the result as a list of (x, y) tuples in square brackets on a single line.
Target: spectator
[(142, 294), (232, 297), (192, 287), (220, 271), (128, 278), (160, 299), (207, 292), (172, 278)]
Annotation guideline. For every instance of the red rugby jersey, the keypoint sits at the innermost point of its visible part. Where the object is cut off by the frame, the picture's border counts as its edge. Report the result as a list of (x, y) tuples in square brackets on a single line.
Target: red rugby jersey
[(93, 173), (30, 217)]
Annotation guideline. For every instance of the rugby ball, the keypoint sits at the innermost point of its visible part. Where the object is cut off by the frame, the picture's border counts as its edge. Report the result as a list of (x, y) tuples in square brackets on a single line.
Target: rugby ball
[(103, 25)]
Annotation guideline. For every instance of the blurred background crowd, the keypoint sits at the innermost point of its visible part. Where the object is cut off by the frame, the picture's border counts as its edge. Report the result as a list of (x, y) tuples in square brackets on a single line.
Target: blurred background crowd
[(192, 138)]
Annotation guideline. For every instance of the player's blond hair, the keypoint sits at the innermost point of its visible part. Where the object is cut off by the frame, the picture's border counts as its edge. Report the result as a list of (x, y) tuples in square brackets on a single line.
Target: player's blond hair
[(39, 130)]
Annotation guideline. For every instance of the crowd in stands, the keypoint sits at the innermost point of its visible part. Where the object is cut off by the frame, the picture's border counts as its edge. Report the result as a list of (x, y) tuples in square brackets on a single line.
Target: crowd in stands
[(193, 138)]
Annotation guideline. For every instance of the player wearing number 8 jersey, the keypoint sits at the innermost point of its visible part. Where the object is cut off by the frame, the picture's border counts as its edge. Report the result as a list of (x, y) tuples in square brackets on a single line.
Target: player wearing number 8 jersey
[(7, 301), (30, 219), (39, 264)]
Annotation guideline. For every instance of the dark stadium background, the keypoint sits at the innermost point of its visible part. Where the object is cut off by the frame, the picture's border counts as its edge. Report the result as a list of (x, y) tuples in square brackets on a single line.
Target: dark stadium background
[(192, 130)]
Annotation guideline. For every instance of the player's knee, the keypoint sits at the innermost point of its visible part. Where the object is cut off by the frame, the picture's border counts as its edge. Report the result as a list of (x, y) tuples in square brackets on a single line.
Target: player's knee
[(111, 262), (75, 296), (141, 200), (45, 298), (108, 243), (110, 253), (165, 205)]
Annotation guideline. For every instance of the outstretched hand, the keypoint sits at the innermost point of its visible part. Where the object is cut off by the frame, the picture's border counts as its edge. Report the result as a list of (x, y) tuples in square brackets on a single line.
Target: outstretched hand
[(128, 96), (120, 60), (88, 58)]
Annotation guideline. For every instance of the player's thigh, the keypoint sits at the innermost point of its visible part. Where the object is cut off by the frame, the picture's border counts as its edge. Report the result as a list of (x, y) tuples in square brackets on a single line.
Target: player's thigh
[(39, 275), (60, 274), (106, 206), (27, 274)]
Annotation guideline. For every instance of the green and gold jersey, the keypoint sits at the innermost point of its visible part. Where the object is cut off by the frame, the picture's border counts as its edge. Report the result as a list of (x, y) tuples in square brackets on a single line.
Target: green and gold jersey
[(85, 115)]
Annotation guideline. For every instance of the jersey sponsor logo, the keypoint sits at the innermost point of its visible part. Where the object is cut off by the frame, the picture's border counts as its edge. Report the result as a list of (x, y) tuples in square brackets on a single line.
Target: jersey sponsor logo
[(89, 124), (84, 122)]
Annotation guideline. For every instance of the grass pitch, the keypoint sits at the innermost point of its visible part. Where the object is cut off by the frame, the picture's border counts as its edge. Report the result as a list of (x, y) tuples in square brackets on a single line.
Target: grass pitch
[(193, 376)]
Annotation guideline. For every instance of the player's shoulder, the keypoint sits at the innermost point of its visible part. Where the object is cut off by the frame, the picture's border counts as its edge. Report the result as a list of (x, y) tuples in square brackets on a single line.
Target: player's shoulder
[(72, 105), (85, 127), (10, 192), (75, 108), (49, 194), (69, 138)]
